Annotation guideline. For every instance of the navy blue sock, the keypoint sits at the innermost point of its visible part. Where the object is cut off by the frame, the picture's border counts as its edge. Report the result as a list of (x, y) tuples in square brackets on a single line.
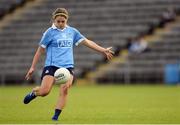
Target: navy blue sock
[(56, 114), (33, 95)]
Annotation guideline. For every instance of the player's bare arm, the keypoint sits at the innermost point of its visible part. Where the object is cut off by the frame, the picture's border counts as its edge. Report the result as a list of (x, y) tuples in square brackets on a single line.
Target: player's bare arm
[(37, 55), (106, 51)]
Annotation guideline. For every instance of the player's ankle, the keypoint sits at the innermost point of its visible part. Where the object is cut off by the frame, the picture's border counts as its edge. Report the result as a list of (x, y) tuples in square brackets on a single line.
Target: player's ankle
[(56, 114)]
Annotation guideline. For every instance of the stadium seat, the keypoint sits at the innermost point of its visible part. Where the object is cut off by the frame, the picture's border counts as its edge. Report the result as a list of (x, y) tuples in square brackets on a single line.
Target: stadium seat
[(107, 22)]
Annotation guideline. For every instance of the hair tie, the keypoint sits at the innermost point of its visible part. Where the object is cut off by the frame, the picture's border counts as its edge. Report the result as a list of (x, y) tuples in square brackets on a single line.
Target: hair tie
[(60, 14)]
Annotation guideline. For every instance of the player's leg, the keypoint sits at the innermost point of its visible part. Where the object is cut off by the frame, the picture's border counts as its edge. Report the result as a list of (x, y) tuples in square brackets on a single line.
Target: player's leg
[(62, 98), (63, 94), (47, 78), (45, 87), (43, 90)]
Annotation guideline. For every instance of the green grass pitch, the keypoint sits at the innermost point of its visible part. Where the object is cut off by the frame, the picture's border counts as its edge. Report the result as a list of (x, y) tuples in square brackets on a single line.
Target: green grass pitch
[(111, 104)]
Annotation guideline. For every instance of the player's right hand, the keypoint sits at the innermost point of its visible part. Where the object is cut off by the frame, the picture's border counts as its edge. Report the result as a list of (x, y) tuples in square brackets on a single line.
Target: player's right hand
[(29, 74)]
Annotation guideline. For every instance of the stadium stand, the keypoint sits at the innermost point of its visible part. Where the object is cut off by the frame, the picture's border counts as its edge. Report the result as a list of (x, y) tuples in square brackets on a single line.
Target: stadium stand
[(107, 22), (147, 67), (7, 6)]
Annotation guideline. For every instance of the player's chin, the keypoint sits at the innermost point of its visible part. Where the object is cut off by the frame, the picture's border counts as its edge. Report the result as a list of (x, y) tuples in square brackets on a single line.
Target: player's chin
[(61, 27)]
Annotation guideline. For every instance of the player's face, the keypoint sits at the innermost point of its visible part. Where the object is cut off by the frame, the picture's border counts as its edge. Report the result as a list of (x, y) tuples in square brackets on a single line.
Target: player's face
[(60, 22)]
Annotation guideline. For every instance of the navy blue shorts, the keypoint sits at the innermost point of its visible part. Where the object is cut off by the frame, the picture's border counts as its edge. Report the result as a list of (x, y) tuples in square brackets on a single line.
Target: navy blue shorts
[(50, 70)]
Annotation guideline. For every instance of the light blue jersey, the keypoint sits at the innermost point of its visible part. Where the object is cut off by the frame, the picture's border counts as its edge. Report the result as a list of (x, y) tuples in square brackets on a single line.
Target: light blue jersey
[(59, 45)]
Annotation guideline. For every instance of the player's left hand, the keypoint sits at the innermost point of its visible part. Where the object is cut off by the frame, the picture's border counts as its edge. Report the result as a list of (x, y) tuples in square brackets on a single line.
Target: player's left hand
[(109, 53)]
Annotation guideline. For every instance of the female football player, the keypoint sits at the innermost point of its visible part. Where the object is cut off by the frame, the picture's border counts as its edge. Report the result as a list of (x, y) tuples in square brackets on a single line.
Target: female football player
[(58, 41)]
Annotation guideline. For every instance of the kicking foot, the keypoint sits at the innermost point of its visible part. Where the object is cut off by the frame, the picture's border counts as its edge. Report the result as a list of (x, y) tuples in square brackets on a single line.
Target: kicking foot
[(29, 97)]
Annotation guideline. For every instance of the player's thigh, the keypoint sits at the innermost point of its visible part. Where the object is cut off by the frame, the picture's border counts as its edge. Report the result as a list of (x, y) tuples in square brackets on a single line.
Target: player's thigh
[(68, 84), (70, 81), (47, 82), (65, 87)]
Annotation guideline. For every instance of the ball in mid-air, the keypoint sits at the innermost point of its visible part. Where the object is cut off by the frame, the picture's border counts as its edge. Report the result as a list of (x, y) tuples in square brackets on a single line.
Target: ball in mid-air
[(62, 75)]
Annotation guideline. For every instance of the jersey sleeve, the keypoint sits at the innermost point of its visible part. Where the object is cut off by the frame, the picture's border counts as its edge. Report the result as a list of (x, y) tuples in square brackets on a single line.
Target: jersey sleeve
[(45, 40), (78, 37)]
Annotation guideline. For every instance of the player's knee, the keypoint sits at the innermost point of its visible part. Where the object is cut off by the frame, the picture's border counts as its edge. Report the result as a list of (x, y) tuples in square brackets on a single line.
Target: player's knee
[(64, 90), (45, 92)]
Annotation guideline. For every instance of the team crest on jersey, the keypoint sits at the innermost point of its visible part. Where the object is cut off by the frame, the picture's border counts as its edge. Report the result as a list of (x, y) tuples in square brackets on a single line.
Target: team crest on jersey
[(69, 35)]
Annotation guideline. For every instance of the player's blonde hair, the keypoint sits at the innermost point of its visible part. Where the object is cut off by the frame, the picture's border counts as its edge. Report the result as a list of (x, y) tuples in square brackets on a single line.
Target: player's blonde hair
[(60, 12)]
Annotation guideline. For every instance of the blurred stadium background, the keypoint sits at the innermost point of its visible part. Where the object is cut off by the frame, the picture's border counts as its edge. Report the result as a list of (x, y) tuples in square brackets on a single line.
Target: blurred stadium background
[(109, 23)]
